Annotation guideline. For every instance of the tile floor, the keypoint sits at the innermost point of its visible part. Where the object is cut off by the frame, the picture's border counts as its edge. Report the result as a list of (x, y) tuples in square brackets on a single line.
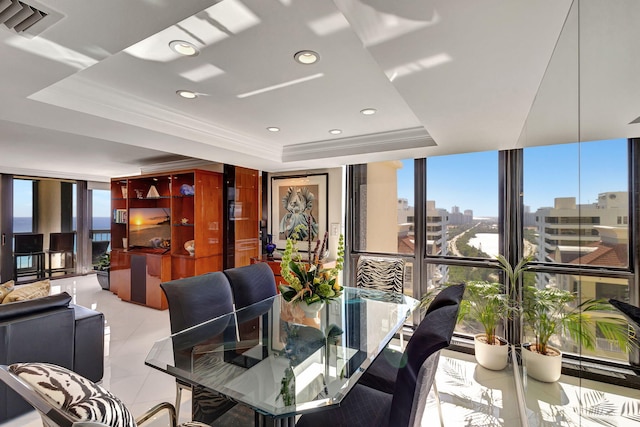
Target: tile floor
[(470, 395)]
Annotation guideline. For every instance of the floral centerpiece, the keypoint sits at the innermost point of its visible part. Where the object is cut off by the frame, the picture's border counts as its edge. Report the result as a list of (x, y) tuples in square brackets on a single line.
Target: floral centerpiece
[(307, 280)]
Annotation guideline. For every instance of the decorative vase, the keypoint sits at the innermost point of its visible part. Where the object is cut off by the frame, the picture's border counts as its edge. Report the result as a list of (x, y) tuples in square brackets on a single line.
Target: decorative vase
[(494, 357), (311, 310), (546, 368), (187, 190), (190, 247), (153, 193), (270, 246)]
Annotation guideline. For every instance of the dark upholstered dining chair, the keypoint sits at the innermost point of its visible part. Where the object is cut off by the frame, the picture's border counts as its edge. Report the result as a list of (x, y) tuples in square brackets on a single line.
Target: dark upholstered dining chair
[(251, 283), (382, 373), (66, 399), (630, 311), (368, 406), (252, 286), (194, 300)]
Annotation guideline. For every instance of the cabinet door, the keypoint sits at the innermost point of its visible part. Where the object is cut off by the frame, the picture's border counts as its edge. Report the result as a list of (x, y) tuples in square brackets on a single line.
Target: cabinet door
[(120, 274)]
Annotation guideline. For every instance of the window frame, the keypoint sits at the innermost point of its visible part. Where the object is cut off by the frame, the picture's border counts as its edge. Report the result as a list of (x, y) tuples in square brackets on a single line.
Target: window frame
[(511, 229)]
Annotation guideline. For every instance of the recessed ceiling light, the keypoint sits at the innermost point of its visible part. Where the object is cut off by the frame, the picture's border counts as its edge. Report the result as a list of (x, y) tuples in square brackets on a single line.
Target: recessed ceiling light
[(187, 94), (335, 131), (368, 111), (306, 57), (184, 48), (273, 129)]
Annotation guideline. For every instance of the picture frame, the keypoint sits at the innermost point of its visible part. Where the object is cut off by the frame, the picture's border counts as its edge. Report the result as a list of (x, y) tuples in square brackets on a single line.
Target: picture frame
[(293, 196)]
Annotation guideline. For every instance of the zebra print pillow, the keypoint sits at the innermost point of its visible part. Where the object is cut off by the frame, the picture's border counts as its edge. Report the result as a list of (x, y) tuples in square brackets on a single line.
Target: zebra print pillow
[(75, 394)]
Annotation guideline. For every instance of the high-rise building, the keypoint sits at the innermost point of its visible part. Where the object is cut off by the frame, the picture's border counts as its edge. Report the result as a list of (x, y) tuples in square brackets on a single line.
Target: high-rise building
[(570, 227)]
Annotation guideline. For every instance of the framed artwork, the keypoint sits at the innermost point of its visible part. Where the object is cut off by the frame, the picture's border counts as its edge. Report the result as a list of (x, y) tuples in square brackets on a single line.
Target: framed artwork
[(293, 198)]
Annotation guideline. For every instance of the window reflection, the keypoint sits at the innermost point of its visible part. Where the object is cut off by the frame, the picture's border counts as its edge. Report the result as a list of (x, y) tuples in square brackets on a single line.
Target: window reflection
[(577, 203)]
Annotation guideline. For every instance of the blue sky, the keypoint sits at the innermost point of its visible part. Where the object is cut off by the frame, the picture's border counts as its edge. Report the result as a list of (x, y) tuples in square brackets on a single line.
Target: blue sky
[(470, 181)]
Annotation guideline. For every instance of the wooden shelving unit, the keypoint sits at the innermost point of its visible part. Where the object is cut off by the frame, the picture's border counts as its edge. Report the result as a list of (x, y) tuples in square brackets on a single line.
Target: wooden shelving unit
[(192, 200)]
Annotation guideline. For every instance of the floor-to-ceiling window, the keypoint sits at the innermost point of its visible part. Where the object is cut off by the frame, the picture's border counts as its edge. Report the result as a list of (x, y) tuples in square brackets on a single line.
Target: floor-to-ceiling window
[(574, 218), (385, 213), (100, 214), (23, 218), (461, 220)]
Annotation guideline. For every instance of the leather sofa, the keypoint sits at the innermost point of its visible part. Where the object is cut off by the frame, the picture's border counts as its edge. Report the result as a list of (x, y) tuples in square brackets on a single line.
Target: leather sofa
[(51, 330)]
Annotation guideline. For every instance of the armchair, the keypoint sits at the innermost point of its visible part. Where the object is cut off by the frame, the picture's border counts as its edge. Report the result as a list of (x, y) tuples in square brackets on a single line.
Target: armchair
[(66, 399)]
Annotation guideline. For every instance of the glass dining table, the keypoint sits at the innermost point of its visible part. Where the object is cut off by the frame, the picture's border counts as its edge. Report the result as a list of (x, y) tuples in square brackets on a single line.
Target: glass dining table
[(280, 362)]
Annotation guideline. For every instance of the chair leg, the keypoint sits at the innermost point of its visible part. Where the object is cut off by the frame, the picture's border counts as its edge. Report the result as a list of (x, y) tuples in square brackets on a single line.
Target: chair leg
[(435, 391), (178, 400)]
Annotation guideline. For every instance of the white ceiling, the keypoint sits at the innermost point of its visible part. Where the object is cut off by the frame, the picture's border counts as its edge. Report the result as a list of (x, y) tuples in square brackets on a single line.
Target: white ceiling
[(94, 95)]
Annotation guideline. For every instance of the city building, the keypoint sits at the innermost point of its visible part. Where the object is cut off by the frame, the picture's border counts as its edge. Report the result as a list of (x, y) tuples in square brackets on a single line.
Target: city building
[(570, 227), (348, 90)]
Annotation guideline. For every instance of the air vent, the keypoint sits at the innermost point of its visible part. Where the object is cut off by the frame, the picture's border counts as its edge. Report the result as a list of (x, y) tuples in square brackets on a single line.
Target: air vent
[(19, 16)]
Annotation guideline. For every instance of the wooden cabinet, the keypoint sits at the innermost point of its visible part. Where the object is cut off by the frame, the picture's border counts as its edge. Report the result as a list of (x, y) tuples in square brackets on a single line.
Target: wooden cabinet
[(156, 220), (246, 224), (243, 213)]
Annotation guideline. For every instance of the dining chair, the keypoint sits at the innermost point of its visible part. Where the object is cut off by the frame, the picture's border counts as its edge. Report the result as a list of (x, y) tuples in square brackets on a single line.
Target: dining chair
[(381, 273), (28, 256), (630, 311), (382, 373), (405, 406), (61, 244), (64, 398), (251, 283), (386, 274), (194, 300)]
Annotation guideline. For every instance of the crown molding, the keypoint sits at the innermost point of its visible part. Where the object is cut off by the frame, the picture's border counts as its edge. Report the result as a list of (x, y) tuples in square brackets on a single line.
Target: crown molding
[(185, 164), (403, 139), (45, 174)]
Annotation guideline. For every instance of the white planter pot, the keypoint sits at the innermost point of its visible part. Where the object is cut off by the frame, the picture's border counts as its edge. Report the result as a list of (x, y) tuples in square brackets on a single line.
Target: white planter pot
[(311, 310), (494, 357), (545, 368)]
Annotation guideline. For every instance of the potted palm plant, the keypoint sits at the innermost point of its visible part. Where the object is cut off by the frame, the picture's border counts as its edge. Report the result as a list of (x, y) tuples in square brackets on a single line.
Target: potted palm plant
[(488, 304), (102, 268), (551, 311)]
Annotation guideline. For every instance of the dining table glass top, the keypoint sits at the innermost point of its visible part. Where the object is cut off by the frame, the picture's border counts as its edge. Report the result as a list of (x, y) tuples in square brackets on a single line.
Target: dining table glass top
[(279, 361)]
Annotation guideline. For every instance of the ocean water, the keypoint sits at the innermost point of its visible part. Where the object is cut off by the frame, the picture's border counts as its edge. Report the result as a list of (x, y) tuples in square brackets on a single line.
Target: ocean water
[(488, 243), (23, 224)]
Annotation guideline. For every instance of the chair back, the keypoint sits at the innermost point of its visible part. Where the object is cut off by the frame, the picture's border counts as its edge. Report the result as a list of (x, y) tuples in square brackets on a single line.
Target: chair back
[(385, 274), (64, 398), (61, 241), (630, 311), (251, 283), (415, 378), (447, 296), (28, 243), (196, 299)]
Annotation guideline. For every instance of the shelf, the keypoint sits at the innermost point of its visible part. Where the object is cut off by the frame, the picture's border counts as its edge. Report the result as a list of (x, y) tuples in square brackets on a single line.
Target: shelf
[(148, 198), (204, 215)]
